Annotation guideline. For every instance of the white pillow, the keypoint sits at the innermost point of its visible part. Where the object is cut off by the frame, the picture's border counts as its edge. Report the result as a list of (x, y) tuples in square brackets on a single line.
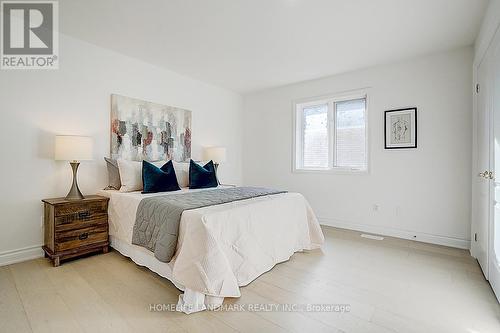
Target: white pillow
[(131, 174), (182, 173)]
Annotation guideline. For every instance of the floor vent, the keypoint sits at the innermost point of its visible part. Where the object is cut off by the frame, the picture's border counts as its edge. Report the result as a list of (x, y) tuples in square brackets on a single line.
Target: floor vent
[(372, 237)]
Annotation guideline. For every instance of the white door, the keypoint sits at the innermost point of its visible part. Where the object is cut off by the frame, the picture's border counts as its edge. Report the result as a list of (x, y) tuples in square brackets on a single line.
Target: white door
[(494, 239), (482, 203)]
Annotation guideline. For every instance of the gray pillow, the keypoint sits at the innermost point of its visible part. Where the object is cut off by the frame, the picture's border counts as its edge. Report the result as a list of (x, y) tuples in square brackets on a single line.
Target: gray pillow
[(114, 182)]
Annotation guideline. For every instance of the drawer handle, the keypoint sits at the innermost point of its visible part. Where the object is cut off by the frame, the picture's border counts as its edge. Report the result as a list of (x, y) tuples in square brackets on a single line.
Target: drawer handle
[(83, 236), (83, 215)]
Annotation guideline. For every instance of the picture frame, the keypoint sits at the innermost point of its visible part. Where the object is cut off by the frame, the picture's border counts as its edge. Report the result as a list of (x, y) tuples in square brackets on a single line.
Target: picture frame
[(400, 128), (143, 130)]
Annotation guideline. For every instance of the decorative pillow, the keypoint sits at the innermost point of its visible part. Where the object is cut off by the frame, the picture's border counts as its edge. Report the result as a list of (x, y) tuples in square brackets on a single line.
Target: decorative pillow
[(114, 182), (202, 176), (159, 179), (131, 174), (182, 173)]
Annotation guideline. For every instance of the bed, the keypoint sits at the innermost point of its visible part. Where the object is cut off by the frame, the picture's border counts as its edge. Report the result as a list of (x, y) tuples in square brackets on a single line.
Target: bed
[(220, 247)]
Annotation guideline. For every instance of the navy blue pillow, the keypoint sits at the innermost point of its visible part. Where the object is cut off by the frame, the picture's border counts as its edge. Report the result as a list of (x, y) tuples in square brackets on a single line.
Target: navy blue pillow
[(202, 176), (159, 179)]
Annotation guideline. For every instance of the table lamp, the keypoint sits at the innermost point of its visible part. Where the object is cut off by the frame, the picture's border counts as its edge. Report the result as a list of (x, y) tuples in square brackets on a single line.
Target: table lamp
[(74, 149), (217, 155)]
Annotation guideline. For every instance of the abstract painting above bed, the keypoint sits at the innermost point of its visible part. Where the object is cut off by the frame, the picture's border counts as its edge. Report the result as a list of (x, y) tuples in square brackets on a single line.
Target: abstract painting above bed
[(143, 130)]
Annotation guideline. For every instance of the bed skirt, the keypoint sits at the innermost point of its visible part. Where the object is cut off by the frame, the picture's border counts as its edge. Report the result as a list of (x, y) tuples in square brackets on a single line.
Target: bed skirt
[(190, 301)]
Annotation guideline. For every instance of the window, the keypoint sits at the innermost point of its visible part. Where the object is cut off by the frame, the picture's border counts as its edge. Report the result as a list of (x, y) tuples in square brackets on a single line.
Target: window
[(330, 134), (315, 141)]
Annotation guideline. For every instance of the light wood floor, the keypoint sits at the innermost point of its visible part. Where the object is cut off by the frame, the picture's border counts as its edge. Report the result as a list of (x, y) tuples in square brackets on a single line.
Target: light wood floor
[(391, 285)]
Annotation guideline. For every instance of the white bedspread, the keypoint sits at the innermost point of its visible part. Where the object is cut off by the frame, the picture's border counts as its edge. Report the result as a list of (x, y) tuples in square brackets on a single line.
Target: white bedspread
[(223, 247)]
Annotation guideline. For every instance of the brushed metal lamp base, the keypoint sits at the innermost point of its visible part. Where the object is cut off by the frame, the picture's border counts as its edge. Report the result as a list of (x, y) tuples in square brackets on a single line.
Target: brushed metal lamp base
[(74, 193)]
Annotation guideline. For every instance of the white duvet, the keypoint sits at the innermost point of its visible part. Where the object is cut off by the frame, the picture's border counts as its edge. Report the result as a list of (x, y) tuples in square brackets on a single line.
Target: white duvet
[(222, 247)]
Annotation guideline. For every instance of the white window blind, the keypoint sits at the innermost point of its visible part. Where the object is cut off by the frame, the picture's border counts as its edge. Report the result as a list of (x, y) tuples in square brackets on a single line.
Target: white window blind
[(350, 134), (315, 121), (330, 134)]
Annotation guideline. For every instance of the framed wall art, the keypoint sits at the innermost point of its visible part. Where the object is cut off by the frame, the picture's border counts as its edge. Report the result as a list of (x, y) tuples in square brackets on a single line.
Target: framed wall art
[(142, 130), (400, 128)]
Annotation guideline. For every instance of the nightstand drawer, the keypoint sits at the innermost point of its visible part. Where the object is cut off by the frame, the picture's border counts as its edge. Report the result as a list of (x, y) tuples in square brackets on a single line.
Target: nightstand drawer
[(79, 224), (79, 217), (77, 211), (72, 239)]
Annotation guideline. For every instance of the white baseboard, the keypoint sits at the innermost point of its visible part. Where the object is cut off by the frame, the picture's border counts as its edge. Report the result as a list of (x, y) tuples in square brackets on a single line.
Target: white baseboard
[(399, 233), (14, 256)]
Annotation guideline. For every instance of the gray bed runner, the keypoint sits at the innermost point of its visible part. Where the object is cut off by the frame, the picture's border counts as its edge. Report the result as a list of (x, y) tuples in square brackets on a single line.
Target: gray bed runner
[(157, 220)]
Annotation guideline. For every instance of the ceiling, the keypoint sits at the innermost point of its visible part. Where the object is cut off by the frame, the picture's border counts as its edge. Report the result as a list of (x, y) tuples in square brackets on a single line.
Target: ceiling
[(249, 45)]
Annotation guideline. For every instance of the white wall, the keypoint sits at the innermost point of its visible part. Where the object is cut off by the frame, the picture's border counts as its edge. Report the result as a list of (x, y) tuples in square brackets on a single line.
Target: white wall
[(424, 192), (36, 105), (489, 26)]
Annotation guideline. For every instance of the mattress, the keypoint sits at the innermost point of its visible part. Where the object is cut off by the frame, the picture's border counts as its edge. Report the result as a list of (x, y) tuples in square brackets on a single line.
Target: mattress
[(221, 247)]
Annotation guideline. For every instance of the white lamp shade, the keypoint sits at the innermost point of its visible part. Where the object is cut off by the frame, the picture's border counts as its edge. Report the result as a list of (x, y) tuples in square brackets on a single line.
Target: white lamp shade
[(73, 148), (216, 154)]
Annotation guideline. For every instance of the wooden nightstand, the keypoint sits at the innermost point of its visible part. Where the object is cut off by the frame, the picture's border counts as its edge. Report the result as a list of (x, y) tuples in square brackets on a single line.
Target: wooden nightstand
[(74, 228)]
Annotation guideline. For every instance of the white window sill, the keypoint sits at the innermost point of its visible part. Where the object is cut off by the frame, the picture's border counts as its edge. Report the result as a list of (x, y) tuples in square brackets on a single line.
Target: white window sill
[(338, 171)]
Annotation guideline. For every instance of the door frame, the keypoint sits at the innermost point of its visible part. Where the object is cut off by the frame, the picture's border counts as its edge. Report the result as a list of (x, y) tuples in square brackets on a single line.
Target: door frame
[(473, 247), (492, 271), (493, 257)]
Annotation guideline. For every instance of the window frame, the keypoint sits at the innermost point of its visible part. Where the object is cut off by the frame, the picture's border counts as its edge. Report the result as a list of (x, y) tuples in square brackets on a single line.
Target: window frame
[(298, 132)]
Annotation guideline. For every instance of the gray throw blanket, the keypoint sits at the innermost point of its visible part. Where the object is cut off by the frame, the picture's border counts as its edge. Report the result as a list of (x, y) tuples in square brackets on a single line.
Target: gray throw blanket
[(157, 220)]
